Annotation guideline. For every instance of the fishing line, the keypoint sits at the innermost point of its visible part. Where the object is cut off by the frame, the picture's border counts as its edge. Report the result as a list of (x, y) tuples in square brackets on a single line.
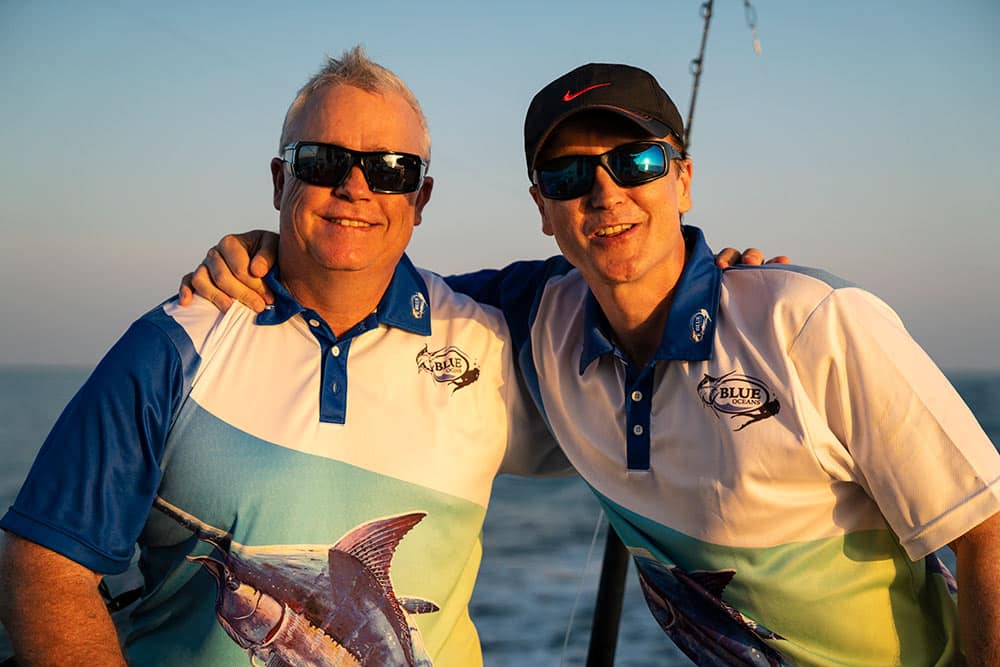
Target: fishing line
[(579, 587)]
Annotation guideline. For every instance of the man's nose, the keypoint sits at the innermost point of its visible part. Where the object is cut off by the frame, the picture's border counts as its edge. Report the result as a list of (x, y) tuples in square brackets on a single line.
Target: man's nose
[(605, 193), (354, 185)]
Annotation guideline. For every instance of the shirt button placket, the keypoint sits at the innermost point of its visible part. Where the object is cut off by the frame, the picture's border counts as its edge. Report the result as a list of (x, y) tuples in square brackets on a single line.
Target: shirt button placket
[(637, 419)]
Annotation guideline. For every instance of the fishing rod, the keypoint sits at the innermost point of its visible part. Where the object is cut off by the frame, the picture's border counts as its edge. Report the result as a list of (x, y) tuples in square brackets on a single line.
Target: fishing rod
[(614, 568), (608, 607), (696, 68)]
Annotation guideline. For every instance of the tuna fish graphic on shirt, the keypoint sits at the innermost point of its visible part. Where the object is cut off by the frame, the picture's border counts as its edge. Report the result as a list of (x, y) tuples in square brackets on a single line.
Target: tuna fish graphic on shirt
[(689, 608), (314, 605)]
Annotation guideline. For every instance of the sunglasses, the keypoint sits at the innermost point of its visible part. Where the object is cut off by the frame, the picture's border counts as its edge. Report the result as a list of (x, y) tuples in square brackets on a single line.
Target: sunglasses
[(327, 165), (572, 176)]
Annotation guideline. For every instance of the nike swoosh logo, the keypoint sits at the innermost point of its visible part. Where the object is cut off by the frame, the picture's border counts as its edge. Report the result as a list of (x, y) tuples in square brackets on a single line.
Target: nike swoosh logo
[(569, 97)]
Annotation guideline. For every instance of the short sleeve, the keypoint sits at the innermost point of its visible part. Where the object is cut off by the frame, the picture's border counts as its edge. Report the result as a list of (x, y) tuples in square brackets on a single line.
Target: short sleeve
[(918, 450), (90, 488)]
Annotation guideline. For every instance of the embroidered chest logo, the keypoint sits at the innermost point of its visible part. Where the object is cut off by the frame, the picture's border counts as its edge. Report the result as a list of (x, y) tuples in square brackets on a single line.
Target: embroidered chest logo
[(449, 365), (699, 322), (418, 305), (738, 396)]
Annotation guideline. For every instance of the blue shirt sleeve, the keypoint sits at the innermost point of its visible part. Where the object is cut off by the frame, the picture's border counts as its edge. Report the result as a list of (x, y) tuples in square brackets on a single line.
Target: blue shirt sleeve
[(514, 289), (90, 489)]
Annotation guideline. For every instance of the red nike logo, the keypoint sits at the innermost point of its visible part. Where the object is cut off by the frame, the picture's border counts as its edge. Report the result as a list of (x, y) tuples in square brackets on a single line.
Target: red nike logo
[(569, 97)]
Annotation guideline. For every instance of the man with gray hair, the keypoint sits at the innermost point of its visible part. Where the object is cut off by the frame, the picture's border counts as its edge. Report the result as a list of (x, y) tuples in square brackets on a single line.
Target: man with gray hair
[(281, 512)]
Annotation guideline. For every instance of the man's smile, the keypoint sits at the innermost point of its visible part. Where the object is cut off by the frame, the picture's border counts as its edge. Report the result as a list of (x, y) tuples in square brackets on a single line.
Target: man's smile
[(613, 230), (349, 222)]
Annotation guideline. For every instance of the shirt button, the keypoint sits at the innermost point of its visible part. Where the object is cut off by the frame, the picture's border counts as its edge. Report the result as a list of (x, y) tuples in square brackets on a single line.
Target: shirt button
[(335, 351), (333, 387), (314, 323), (636, 395), (637, 429)]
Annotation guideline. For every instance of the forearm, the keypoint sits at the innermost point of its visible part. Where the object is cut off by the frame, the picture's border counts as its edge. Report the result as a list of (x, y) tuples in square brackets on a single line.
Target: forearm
[(979, 617), (979, 593), (52, 610)]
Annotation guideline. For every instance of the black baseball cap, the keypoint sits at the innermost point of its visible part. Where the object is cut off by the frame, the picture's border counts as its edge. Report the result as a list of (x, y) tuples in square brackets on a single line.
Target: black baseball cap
[(623, 89)]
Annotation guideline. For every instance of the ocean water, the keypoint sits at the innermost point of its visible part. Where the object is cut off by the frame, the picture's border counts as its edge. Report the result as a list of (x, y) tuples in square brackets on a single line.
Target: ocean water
[(543, 540)]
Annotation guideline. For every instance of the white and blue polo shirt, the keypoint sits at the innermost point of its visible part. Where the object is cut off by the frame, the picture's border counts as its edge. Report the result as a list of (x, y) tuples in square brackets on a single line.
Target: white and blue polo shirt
[(325, 463), (780, 469)]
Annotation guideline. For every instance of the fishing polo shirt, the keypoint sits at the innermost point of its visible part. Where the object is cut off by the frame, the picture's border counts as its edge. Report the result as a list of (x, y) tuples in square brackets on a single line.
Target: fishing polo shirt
[(381, 444), (780, 469)]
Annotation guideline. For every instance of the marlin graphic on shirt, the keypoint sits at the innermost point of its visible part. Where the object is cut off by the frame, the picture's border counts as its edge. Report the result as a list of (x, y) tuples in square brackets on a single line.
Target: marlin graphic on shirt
[(690, 609), (314, 605)]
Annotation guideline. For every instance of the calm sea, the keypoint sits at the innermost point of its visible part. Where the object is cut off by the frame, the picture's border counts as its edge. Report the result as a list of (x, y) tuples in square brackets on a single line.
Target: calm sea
[(539, 564)]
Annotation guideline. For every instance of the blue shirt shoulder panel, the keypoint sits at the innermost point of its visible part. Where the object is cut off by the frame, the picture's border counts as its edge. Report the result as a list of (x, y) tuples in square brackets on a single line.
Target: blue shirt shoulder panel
[(103, 453), (514, 289)]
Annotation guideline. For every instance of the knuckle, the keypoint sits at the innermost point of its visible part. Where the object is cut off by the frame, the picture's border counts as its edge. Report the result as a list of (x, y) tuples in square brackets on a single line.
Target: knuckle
[(200, 281), (211, 258)]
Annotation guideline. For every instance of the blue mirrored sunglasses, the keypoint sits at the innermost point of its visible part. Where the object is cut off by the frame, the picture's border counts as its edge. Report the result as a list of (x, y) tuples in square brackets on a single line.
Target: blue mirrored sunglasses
[(572, 176)]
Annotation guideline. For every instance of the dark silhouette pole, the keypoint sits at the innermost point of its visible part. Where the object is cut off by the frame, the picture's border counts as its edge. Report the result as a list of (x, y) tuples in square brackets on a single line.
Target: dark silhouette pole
[(608, 609)]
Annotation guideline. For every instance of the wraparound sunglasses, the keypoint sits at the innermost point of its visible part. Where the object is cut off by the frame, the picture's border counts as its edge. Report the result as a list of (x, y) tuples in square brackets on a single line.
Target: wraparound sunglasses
[(572, 176), (327, 165)]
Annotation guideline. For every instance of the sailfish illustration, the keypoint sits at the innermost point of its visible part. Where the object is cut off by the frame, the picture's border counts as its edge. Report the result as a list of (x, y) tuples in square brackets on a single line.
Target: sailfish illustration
[(314, 605)]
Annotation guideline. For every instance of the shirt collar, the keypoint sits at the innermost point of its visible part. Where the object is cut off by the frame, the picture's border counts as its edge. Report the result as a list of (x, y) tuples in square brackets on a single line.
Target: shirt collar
[(690, 329), (405, 303)]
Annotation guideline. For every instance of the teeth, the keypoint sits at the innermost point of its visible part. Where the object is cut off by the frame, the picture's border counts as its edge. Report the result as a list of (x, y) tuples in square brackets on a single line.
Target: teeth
[(614, 229), (348, 223)]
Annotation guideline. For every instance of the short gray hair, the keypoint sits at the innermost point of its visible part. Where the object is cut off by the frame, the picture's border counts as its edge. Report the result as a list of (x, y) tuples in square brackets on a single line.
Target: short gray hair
[(353, 68)]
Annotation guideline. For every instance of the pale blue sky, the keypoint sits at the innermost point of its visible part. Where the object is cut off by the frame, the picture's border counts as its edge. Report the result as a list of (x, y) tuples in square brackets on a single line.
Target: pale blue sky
[(863, 140)]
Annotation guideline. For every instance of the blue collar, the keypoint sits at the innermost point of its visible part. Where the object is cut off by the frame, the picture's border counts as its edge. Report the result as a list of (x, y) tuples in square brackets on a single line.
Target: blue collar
[(690, 329), (405, 303)]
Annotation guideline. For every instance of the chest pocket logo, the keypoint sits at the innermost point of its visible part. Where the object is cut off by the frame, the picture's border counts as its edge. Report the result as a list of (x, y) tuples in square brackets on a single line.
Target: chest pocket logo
[(738, 396), (449, 365)]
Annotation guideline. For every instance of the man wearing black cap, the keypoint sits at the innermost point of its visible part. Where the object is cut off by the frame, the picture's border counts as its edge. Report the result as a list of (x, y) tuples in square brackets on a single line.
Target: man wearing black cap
[(780, 457)]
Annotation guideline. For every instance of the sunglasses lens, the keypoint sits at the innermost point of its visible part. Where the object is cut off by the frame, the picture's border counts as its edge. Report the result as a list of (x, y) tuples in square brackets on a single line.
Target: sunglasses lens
[(393, 172), (322, 164), (566, 177), (637, 163)]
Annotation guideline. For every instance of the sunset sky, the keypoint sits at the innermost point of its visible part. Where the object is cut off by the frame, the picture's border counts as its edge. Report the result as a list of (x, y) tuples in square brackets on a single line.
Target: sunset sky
[(864, 139)]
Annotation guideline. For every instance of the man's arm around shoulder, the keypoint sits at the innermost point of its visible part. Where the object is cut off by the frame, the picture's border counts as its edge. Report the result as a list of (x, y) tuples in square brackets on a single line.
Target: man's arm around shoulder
[(51, 608)]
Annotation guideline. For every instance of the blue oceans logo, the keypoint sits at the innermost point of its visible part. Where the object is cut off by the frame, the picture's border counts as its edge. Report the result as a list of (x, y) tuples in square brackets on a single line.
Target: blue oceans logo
[(738, 396), (699, 323), (418, 305), (449, 365)]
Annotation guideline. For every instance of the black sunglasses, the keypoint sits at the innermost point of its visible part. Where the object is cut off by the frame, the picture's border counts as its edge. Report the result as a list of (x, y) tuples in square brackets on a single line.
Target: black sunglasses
[(327, 165), (572, 176)]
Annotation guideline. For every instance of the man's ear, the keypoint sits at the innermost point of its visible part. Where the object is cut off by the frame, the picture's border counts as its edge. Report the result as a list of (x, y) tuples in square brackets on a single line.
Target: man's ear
[(278, 180), (423, 196), (540, 203), (685, 172)]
